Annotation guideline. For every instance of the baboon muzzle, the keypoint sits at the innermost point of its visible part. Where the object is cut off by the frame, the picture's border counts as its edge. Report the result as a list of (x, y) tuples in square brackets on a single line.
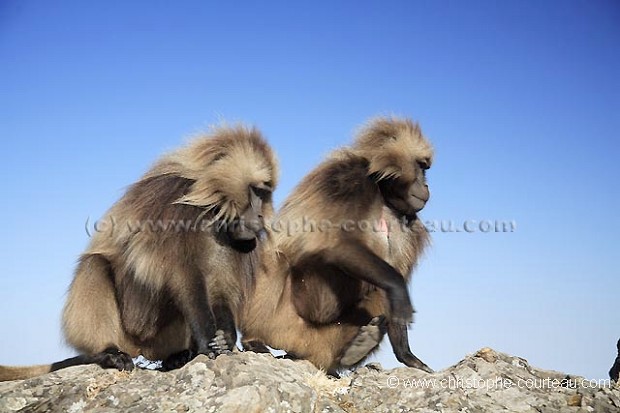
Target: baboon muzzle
[(247, 227), (244, 230), (418, 196)]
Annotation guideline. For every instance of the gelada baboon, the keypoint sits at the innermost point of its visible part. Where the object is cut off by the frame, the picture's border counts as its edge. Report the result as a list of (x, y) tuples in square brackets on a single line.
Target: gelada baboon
[(346, 241), (176, 257)]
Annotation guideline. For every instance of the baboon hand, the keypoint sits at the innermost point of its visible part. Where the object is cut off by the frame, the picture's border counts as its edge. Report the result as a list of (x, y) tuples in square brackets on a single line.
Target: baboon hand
[(399, 339), (219, 344), (401, 311), (410, 360)]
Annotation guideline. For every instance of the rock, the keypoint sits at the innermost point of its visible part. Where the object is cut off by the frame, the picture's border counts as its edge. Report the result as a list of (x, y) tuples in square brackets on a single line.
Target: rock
[(487, 355), (575, 400), (487, 381)]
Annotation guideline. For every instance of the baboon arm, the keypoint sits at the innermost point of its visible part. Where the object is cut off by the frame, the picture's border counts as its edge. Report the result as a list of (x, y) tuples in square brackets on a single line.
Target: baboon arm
[(358, 261), (399, 339), (225, 323), (193, 303)]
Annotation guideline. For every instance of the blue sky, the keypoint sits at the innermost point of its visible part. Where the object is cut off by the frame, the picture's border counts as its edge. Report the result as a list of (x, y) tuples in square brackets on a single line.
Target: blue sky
[(521, 100)]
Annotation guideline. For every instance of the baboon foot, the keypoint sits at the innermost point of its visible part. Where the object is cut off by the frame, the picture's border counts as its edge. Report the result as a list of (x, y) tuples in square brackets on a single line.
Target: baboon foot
[(255, 346), (335, 374), (113, 358), (367, 339), (288, 356), (177, 360)]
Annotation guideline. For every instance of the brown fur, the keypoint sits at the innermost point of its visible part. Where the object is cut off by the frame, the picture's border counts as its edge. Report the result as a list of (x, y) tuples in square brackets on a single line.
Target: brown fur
[(315, 309), (158, 271)]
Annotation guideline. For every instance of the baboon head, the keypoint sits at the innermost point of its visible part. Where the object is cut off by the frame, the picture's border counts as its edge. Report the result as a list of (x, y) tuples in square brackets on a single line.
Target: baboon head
[(399, 156), (234, 175)]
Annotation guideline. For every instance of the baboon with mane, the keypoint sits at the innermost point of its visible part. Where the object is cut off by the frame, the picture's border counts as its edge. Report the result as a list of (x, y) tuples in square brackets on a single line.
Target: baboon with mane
[(168, 277), (332, 292)]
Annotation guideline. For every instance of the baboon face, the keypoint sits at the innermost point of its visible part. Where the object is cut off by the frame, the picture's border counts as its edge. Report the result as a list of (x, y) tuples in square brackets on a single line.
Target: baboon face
[(398, 156), (245, 230), (407, 196)]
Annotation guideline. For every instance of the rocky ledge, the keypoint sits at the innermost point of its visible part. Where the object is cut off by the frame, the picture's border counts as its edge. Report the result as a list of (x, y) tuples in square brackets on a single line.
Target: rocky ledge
[(486, 381)]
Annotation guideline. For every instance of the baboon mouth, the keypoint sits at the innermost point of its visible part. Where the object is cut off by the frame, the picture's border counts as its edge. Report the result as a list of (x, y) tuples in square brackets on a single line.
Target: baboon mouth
[(242, 236), (417, 204), (245, 246)]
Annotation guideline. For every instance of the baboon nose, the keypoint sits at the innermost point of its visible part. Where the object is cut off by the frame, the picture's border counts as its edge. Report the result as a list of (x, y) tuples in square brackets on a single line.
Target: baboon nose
[(255, 225), (244, 235)]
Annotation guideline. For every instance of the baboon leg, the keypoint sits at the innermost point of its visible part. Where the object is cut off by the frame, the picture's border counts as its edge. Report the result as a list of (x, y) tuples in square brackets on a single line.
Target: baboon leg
[(358, 261), (366, 340), (322, 294), (400, 343), (142, 308), (225, 340), (193, 303), (91, 319)]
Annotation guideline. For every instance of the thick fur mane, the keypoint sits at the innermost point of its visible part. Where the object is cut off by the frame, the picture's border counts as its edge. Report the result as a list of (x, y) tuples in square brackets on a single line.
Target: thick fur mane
[(391, 145), (385, 148), (343, 187), (221, 164)]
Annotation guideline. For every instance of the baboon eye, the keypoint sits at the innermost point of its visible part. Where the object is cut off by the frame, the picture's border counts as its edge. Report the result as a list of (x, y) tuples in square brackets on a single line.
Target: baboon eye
[(262, 190), (424, 164)]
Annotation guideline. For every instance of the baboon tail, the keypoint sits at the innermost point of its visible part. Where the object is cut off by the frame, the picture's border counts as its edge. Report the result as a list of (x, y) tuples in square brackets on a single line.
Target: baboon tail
[(8, 373)]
